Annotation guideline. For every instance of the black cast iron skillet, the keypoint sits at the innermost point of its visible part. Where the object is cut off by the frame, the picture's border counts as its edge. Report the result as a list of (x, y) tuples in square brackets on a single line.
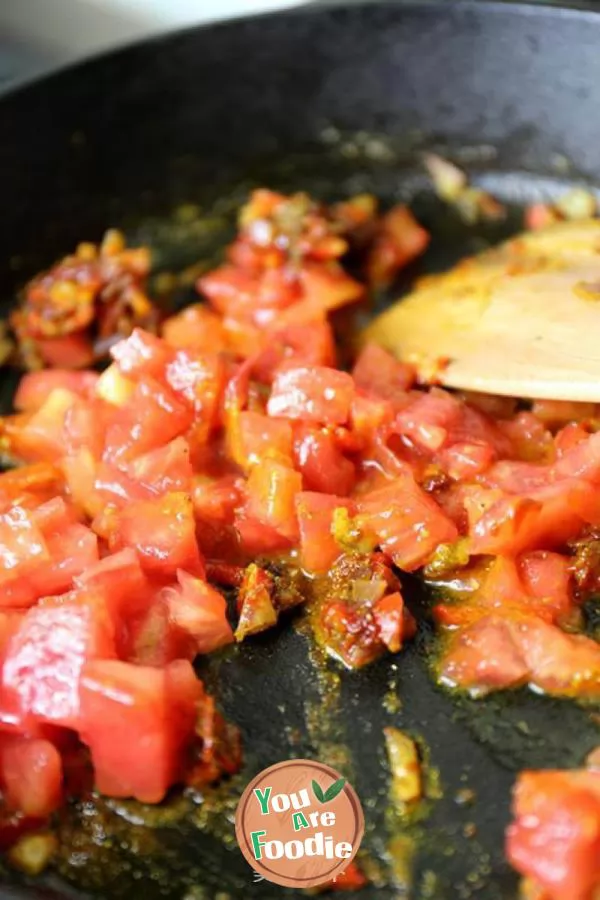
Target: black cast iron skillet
[(334, 100)]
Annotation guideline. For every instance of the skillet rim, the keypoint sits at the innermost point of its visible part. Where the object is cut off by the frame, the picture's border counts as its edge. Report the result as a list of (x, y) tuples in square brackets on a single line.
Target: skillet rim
[(557, 9)]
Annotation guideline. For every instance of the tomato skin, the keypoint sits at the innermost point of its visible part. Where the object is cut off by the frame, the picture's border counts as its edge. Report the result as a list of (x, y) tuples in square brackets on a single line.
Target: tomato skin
[(152, 710), (555, 837), (45, 657), (31, 775), (318, 394), (200, 611), (35, 387), (271, 491), (323, 466), (318, 547), (406, 522), (163, 533)]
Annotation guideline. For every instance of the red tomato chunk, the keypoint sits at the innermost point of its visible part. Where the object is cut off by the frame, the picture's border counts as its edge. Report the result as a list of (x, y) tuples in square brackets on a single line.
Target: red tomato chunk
[(219, 475)]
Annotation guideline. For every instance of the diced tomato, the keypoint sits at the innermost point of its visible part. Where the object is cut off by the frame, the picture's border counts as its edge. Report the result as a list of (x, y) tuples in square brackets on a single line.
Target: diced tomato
[(150, 638), (42, 436), (35, 387), (216, 499), (303, 343), (30, 775), (582, 461), (72, 550), (329, 286), (529, 437), (568, 437), (559, 663), (153, 416), (200, 611), (229, 290), (262, 437), (323, 466), (485, 657), (464, 461), (119, 579), (73, 351), (45, 657), (555, 837), (38, 481), (429, 419), (94, 486), (163, 533), (142, 355), (271, 491), (518, 477), (497, 653), (200, 379), (153, 712), (255, 537), (547, 577), (165, 469), (67, 549), (195, 328), (537, 583), (378, 373), (318, 394), (391, 618), (113, 387), (400, 240), (318, 547), (548, 517), (22, 545), (406, 522), (368, 414)]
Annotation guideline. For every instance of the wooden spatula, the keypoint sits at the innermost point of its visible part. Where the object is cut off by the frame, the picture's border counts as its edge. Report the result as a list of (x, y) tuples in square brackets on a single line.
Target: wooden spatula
[(521, 320)]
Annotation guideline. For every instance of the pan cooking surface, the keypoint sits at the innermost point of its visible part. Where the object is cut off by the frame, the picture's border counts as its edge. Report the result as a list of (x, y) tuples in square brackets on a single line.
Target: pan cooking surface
[(129, 139)]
